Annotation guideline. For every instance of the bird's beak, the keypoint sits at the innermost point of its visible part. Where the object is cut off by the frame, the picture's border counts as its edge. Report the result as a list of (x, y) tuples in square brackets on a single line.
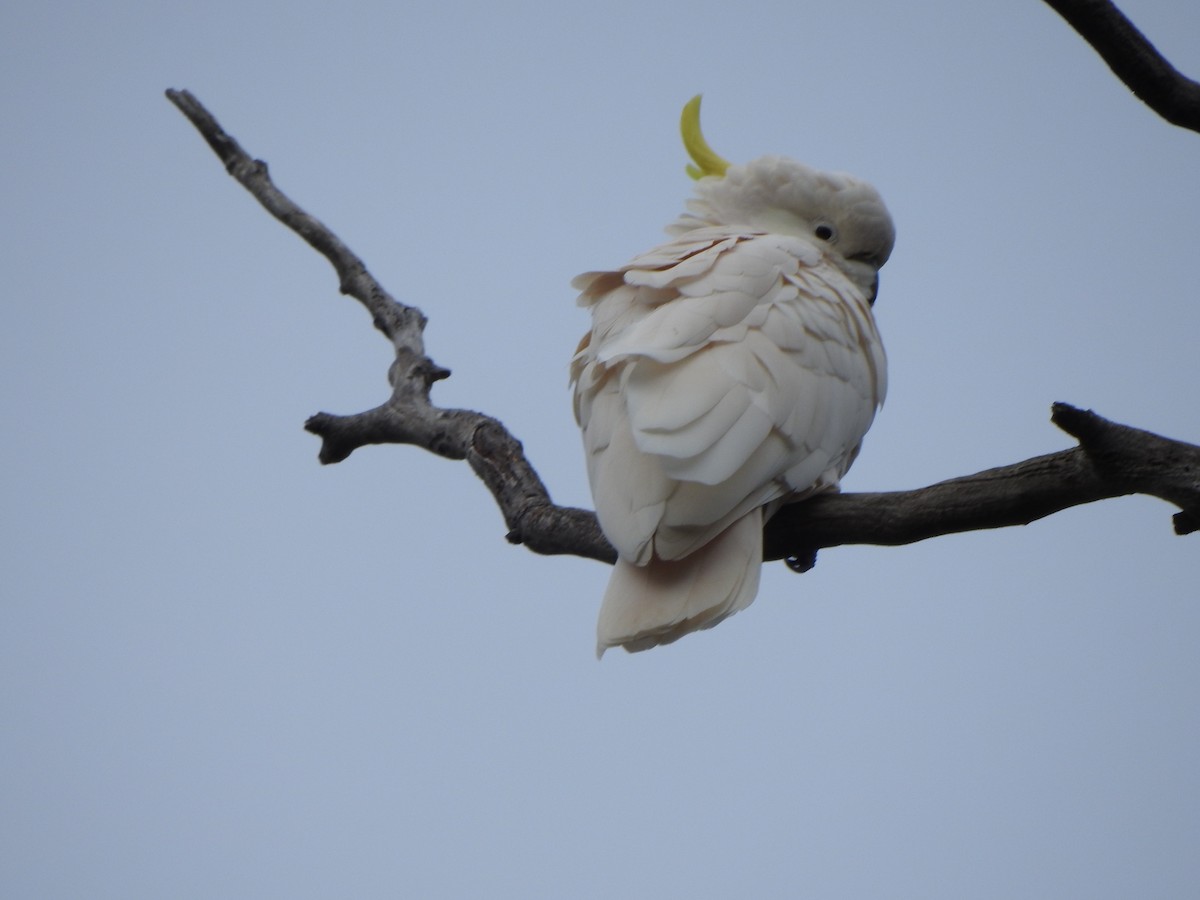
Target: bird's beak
[(864, 271)]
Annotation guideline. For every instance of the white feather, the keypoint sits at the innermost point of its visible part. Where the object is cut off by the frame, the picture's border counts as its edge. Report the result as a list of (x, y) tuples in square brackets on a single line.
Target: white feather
[(726, 371), (660, 602)]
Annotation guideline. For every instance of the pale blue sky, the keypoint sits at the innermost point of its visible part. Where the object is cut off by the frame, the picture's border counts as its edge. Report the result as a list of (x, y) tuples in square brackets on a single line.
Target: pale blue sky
[(226, 671)]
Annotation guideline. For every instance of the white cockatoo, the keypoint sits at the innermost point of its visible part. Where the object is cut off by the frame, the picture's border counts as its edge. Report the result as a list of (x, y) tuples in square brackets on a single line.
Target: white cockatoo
[(729, 371)]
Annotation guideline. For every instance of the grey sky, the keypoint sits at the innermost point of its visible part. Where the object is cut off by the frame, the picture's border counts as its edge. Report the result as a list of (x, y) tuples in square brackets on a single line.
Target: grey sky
[(226, 671)]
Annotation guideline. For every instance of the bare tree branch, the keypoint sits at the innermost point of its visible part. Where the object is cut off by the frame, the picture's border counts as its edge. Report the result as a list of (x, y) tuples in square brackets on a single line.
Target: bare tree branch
[(1134, 60), (408, 417), (1111, 460)]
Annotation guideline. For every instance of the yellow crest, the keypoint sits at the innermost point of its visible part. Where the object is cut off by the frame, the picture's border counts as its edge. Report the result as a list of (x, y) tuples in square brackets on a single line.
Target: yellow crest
[(707, 162)]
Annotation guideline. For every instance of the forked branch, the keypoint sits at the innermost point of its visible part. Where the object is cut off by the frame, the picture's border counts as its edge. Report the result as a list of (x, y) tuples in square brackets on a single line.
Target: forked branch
[(1111, 460)]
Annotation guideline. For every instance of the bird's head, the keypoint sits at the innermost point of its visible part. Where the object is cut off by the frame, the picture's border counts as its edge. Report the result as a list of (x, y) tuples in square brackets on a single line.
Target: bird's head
[(839, 213)]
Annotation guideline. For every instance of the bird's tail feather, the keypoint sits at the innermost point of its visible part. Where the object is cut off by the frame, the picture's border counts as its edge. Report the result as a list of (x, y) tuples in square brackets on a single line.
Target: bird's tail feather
[(660, 602)]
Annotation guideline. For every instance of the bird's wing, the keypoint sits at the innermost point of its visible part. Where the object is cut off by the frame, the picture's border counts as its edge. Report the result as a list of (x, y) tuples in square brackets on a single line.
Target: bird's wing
[(724, 370)]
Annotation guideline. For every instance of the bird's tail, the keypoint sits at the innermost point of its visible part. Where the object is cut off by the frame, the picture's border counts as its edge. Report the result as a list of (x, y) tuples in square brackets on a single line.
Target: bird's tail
[(660, 602)]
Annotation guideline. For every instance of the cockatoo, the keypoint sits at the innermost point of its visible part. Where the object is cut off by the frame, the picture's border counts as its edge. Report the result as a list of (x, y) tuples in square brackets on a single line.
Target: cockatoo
[(727, 372)]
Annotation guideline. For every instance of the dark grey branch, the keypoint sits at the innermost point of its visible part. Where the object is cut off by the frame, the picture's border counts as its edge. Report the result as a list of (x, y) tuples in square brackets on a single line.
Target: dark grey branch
[(1134, 60), (1111, 460)]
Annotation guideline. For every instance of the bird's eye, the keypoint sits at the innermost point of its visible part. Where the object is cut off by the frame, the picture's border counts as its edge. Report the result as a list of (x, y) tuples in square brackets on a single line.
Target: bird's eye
[(825, 232)]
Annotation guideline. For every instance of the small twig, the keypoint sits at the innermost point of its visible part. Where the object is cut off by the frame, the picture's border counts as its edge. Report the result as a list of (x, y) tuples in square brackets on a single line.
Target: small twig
[(1112, 460), (1134, 60), (402, 324)]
